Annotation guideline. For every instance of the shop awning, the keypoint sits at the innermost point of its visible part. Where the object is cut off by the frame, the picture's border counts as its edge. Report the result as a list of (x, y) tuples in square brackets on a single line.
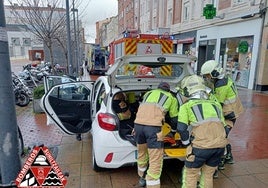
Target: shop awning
[(186, 40)]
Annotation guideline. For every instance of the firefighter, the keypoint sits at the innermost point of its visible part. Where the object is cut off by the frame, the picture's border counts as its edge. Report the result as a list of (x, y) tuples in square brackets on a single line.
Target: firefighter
[(223, 88), (202, 129), (150, 117)]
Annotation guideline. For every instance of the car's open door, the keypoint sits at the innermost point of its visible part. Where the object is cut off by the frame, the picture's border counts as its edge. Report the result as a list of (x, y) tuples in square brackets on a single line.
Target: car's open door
[(69, 106)]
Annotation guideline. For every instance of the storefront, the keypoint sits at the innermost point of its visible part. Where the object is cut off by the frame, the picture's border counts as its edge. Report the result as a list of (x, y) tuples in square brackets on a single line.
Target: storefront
[(185, 43), (235, 46)]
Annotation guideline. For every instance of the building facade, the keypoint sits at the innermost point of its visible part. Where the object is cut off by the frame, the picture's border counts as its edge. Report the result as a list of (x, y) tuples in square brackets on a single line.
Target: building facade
[(236, 36)]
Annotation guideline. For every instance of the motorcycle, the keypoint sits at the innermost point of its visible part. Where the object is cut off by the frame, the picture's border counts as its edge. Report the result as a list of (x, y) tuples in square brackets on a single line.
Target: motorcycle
[(21, 96), (17, 81)]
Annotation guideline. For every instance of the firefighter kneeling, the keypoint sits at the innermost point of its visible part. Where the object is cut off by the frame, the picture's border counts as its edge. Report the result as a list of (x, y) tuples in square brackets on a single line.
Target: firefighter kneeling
[(207, 139)]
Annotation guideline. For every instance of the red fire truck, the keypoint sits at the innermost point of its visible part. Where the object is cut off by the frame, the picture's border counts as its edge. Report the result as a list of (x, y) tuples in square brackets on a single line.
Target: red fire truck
[(140, 44)]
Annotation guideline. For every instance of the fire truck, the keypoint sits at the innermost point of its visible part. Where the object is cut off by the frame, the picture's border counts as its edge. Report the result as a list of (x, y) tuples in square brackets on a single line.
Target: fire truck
[(140, 44)]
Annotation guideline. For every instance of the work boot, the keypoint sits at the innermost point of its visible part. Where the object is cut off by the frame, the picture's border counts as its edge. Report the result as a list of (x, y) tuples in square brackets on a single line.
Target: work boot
[(78, 137), (221, 165), (142, 182), (229, 156), (216, 174)]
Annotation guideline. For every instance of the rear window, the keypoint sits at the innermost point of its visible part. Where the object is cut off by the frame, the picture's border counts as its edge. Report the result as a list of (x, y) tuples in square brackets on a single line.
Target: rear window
[(138, 70)]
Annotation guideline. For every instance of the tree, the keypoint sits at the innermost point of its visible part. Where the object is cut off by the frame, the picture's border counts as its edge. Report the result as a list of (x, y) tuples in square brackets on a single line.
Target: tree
[(44, 18)]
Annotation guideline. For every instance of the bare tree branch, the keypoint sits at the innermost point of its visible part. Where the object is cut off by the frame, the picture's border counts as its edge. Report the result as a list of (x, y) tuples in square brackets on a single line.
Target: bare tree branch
[(44, 18)]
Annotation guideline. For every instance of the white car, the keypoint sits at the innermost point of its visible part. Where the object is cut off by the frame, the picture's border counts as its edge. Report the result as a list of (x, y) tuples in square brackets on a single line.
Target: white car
[(79, 107)]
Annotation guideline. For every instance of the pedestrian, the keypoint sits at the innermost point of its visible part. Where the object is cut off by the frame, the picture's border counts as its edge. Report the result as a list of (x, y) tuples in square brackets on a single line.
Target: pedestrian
[(156, 104), (225, 91), (201, 127)]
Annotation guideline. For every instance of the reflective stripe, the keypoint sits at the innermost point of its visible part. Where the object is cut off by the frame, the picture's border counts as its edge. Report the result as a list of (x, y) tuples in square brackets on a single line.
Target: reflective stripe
[(205, 121), (229, 101), (234, 88), (153, 182), (217, 110), (179, 98), (146, 96), (197, 112), (162, 100), (142, 169)]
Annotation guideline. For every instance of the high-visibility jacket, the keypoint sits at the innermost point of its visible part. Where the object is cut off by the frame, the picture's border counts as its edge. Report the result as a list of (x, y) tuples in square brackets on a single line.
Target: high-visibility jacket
[(155, 105), (226, 93), (206, 122)]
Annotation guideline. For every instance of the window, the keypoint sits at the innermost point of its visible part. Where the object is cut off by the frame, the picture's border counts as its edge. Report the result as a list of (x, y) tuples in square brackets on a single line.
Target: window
[(26, 41), (186, 9), (170, 20), (154, 22), (15, 41), (155, 4)]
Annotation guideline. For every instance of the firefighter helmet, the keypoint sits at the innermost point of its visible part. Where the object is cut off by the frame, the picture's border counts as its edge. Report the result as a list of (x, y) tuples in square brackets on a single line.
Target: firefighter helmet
[(211, 67), (192, 84)]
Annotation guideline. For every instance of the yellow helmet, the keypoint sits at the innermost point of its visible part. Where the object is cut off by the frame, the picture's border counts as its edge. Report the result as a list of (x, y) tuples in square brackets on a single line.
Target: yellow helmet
[(211, 67), (192, 84)]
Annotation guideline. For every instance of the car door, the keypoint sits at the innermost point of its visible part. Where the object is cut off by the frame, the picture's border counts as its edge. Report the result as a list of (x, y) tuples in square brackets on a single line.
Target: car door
[(69, 106)]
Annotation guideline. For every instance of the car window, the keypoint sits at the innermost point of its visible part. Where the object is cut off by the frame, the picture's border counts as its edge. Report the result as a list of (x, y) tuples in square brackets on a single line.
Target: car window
[(100, 97), (165, 71), (74, 91), (52, 81)]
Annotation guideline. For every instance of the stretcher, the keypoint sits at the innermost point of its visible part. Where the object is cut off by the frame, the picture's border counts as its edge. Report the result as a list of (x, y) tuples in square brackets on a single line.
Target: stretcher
[(172, 146)]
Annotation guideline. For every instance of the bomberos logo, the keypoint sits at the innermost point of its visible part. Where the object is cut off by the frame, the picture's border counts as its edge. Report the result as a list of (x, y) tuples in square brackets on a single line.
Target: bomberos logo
[(40, 170)]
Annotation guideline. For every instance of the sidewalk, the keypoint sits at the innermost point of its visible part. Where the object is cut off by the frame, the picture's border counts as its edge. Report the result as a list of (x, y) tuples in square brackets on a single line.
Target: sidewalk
[(249, 142), (249, 139)]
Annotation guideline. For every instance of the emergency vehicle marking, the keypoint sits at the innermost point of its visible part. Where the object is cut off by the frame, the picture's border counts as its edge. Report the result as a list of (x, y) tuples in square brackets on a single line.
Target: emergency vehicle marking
[(166, 70), (131, 46), (148, 50), (40, 170), (144, 44)]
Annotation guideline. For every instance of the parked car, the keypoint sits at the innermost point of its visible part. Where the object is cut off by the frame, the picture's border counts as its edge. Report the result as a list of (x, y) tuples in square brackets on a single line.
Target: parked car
[(80, 107)]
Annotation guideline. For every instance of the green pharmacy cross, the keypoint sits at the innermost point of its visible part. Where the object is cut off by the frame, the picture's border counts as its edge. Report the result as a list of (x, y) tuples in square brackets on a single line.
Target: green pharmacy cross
[(209, 11)]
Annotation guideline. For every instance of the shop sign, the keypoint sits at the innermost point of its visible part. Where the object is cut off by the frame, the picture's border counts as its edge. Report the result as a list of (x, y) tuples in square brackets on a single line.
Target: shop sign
[(243, 47), (209, 11)]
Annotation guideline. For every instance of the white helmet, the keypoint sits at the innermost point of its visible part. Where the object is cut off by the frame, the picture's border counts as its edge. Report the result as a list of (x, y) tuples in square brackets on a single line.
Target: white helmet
[(193, 84), (211, 67)]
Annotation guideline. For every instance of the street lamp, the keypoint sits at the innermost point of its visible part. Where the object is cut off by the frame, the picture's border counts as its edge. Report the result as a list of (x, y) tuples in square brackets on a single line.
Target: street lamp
[(76, 39), (70, 64)]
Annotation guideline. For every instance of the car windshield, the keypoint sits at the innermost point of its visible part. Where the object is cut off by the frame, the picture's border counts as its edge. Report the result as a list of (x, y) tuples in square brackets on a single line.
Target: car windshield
[(141, 70)]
